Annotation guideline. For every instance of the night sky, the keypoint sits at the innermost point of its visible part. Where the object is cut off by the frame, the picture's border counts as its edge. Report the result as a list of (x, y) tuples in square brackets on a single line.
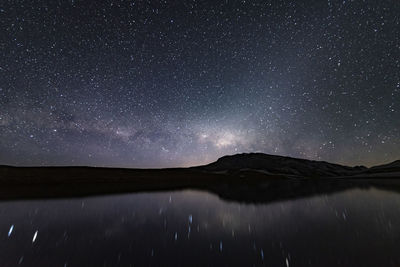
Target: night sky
[(181, 83)]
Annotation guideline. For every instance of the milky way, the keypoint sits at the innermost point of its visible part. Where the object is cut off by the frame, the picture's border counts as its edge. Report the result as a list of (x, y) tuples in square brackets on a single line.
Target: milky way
[(180, 83)]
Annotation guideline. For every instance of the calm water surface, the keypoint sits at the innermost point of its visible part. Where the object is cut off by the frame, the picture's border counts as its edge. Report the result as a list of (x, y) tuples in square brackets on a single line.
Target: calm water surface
[(194, 228)]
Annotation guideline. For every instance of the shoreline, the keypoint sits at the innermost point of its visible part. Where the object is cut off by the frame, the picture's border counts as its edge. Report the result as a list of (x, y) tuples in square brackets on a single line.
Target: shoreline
[(246, 187)]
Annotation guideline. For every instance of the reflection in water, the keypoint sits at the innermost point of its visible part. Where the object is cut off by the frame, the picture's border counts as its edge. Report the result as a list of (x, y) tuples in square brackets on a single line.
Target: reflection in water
[(352, 228)]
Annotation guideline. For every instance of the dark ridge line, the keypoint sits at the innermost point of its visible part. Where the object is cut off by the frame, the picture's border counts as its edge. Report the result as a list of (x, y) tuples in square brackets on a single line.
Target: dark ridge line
[(218, 160)]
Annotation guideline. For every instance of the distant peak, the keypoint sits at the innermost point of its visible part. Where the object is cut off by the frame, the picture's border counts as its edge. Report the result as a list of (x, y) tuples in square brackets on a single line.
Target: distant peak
[(275, 164)]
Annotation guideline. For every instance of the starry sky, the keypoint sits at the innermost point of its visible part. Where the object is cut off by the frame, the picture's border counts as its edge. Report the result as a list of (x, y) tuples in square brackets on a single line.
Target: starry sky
[(181, 83)]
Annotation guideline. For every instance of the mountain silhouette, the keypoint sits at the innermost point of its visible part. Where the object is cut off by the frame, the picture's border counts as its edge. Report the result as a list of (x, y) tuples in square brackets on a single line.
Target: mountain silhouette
[(287, 166), (252, 178)]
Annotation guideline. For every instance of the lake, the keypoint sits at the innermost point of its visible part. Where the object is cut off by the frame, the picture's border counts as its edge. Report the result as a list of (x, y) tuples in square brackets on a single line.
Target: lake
[(355, 227)]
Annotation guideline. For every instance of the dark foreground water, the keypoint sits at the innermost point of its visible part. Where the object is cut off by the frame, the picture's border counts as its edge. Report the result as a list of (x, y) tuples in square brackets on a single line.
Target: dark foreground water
[(193, 228)]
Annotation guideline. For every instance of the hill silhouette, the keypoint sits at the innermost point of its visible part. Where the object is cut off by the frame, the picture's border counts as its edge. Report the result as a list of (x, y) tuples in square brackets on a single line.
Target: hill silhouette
[(253, 178)]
